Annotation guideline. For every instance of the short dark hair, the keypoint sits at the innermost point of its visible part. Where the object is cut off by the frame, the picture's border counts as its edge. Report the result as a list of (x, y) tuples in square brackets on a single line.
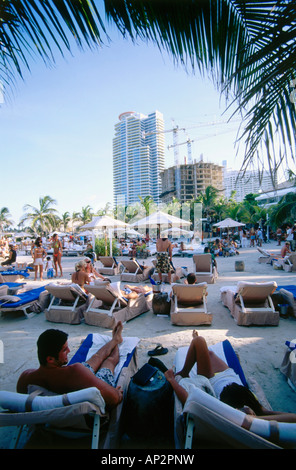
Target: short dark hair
[(50, 343), (238, 396), (191, 278)]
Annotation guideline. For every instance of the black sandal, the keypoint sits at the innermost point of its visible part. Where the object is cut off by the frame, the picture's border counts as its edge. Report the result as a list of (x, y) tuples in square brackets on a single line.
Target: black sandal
[(158, 351)]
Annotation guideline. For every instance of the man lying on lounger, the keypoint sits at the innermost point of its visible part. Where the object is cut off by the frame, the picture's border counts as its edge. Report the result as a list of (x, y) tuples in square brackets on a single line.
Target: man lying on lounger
[(54, 374), (224, 381)]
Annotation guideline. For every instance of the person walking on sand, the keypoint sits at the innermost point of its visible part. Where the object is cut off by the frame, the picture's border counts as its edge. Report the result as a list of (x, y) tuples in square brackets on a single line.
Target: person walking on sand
[(163, 257), (57, 254), (39, 254)]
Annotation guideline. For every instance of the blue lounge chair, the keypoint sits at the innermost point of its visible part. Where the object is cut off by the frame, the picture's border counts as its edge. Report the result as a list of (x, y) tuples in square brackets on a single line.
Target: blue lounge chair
[(22, 302)]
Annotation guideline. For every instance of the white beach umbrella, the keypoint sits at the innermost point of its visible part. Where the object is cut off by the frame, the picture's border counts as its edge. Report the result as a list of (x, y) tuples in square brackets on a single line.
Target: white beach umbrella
[(177, 232), (161, 219), (228, 223), (104, 222)]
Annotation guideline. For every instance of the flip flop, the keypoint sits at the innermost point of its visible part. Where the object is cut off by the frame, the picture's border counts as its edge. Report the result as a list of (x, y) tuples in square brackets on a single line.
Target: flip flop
[(158, 351)]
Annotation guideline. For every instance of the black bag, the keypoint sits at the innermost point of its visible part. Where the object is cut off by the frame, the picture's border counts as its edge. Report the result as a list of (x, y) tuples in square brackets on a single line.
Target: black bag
[(148, 411), (161, 304)]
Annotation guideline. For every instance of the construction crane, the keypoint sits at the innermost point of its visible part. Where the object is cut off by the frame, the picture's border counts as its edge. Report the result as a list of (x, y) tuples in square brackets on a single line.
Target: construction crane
[(188, 142)]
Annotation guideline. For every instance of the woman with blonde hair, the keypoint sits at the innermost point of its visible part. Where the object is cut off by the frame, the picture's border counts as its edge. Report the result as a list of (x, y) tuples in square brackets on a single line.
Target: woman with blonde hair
[(80, 276)]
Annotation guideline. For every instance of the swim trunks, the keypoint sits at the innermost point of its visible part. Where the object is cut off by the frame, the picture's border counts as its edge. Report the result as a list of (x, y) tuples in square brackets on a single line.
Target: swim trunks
[(38, 262), (103, 374), (163, 263)]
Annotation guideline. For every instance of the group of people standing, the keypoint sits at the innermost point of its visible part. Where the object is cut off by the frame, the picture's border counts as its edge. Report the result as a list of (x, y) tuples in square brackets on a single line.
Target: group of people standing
[(39, 255)]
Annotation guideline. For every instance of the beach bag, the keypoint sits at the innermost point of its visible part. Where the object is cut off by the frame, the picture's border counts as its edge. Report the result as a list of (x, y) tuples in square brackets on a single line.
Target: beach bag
[(161, 304), (149, 405)]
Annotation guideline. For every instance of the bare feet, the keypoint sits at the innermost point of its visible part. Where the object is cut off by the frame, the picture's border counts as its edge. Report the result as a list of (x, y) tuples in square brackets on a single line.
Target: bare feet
[(117, 332), (194, 334)]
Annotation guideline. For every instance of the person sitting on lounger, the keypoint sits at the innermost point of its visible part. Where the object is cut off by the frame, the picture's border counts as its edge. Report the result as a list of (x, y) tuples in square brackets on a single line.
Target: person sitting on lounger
[(91, 271), (190, 279), (55, 375), (11, 257), (80, 277), (224, 381), (285, 251)]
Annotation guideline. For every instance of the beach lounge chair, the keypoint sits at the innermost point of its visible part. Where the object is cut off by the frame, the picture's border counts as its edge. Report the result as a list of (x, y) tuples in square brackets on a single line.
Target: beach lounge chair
[(287, 296), (11, 275), (287, 264), (69, 420), (288, 366), (250, 303), (29, 302), (206, 422), (67, 303), (133, 272), (266, 256), (110, 266), (189, 305), (204, 269), (107, 306)]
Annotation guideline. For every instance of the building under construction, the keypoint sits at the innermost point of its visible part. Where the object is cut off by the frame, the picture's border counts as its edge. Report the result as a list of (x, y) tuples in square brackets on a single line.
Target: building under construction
[(188, 180)]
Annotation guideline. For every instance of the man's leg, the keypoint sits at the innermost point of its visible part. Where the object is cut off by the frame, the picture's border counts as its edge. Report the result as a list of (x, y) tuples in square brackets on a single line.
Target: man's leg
[(109, 353)]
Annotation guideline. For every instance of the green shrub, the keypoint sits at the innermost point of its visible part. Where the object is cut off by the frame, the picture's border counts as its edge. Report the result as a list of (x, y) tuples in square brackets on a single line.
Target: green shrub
[(100, 247)]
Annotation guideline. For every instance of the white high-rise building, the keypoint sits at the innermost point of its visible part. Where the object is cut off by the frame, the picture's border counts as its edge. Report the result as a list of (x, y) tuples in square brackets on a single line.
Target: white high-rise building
[(245, 183), (138, 157)]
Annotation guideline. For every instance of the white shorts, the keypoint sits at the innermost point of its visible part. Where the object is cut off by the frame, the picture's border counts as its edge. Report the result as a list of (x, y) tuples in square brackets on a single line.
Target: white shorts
[(38, 262), (222, 379)]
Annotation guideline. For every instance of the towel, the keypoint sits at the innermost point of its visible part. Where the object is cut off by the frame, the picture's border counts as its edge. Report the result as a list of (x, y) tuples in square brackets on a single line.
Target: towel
[(125, 348)]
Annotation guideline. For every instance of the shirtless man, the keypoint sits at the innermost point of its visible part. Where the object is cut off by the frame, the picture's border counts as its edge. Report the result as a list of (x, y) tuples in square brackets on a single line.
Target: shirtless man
[(57, 253), (55, 375), (164, 257)]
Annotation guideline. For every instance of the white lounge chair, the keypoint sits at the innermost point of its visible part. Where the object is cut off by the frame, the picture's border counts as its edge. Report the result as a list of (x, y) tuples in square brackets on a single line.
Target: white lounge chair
[(110, 266), (107, 307), (133, 272), (67, 303), (204, 269), (68, 419), (250, 303), (206, 422), (189, 305)]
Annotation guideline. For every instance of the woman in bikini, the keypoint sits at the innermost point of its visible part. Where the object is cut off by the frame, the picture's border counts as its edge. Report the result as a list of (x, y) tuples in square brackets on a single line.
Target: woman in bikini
[(80, 276), (57, 254), (39, 254)]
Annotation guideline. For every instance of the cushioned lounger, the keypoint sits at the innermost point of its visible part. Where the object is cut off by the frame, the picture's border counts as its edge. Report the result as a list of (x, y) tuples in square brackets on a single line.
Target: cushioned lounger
[(204, 269), (13, 274), (250, 303), (110, 266), (22, 301), (106, 307), (67, 303), (189, 305), (288, 296), (206, 422), (66, 416), (133, 272)]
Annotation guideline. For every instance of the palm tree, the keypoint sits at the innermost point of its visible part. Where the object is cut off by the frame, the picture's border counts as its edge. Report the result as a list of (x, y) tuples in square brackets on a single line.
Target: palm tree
[(284, 211), (86, 214), (65, 220), (248, 48), (4, 218), (42, 217)]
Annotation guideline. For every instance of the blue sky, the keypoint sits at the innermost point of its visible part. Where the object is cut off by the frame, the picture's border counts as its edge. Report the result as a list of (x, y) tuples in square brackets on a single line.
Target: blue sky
[(56, 128)]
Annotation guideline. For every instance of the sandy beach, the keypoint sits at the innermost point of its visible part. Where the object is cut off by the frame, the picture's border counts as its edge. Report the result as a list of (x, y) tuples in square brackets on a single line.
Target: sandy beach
[(261, 349)]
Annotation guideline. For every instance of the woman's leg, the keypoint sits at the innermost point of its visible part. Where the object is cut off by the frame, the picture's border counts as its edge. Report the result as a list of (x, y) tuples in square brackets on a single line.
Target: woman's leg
[(206, 361)]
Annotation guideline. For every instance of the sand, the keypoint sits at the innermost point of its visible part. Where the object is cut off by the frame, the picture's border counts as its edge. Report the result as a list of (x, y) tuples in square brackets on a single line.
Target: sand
[(261, 349)]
